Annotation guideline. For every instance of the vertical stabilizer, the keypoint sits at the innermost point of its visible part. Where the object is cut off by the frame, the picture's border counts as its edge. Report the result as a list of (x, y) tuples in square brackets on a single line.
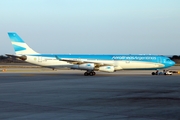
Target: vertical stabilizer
[(20, 47)]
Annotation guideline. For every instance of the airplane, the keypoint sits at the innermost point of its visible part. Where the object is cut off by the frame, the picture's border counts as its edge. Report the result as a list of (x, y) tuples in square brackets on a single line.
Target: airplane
[(88, 62)]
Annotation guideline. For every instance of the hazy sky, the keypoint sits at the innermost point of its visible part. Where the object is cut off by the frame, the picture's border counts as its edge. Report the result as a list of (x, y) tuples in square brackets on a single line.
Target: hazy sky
[(93, 26)]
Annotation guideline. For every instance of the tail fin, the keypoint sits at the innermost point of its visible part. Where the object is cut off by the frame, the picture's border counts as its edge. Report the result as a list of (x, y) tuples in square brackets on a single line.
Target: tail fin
[(19, 45)]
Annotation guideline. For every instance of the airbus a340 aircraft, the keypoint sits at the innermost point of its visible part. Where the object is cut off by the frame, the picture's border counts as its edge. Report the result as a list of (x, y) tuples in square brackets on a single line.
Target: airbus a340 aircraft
[(89, 63)]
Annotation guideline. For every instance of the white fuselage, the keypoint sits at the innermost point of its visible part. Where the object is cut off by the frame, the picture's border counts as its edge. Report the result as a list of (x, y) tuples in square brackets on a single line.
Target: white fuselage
[(118, 64)]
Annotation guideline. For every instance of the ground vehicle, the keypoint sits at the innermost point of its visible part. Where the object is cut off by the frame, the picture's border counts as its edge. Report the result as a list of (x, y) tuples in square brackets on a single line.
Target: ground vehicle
[(165, 72), (168, 73)]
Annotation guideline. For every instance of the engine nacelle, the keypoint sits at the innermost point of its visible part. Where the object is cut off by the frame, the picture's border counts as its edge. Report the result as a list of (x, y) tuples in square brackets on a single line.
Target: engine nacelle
[(23, 57), (85, 66), (106, 68)]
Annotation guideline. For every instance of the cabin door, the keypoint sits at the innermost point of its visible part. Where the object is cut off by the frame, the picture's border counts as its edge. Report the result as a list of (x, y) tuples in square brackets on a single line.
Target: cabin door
[(160, 60), (39, 59)]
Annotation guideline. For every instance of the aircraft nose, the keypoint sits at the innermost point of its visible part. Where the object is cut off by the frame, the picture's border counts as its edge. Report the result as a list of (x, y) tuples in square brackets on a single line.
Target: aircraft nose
[(172, 63)]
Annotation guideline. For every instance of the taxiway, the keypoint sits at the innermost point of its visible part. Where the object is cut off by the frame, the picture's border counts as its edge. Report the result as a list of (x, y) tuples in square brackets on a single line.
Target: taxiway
[(70, 95)]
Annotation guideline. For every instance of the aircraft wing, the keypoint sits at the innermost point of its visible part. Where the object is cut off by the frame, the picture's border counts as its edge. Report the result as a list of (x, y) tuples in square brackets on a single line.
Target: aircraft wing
[(81, 61)]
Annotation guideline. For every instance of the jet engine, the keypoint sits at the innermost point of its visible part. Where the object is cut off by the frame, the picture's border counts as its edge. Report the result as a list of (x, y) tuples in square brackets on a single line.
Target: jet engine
[(23, 57), (85, 66), (106, 68)]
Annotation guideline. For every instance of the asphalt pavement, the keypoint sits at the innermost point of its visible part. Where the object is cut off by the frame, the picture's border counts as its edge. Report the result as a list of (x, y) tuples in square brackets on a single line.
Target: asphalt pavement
[(70, 95)]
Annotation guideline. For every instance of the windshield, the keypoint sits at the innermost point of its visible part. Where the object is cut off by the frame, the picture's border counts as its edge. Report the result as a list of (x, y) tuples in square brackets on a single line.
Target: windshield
[(168, 60)]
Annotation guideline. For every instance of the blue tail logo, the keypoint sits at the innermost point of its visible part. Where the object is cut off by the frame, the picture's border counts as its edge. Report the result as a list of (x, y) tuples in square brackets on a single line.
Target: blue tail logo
[(20, 47)]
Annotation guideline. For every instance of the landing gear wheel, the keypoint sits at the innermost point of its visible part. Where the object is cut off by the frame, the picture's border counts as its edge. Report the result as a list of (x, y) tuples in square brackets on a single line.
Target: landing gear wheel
[(94, 73), (153, 73), (91, 73), (86, 74)]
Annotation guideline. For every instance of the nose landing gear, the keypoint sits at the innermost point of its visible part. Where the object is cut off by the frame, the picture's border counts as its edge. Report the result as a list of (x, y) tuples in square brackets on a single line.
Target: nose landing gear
[(89, 73)]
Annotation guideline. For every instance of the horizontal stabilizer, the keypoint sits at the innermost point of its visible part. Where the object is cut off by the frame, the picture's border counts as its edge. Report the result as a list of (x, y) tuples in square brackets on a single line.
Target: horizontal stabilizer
[(22, 57)]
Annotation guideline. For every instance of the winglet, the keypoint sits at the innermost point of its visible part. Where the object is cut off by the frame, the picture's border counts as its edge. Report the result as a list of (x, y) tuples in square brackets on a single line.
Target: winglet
[(56, 57)]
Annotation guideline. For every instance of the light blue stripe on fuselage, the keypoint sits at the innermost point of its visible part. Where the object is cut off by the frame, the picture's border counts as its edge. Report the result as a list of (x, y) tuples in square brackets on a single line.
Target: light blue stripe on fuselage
[(145, 58)]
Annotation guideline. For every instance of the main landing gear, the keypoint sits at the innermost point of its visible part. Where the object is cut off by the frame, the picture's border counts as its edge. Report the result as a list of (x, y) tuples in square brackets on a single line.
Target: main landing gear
[(89, 73)]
